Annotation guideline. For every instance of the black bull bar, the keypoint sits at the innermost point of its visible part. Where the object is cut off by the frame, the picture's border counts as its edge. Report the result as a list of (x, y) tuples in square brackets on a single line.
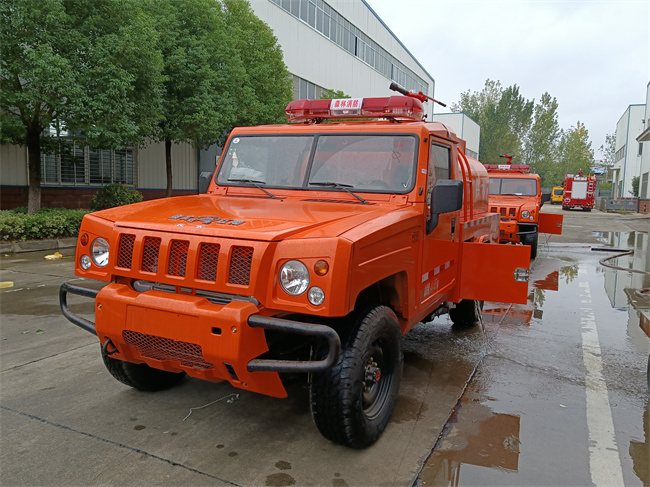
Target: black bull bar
[(255, 321)]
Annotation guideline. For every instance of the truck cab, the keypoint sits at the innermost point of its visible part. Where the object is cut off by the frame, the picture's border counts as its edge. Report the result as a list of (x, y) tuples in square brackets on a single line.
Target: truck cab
[(515, 193), (317, 245)]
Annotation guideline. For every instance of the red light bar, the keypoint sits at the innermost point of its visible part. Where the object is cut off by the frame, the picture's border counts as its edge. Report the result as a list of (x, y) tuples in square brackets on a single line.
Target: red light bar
[(395, 107), (525, 168)]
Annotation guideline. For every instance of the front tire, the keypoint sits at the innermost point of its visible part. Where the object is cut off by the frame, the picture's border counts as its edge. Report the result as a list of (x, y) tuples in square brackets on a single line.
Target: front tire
[(141, 376), (531, 239), (352, 402), (466, 314)]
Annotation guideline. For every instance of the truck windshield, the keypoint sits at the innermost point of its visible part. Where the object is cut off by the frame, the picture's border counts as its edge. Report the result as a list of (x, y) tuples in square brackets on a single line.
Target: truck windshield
[(334, 162), (513, 186)]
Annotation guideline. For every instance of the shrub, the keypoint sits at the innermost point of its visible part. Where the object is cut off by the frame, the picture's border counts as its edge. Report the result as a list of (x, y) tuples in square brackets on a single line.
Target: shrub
[(113, 195), (46, 223)]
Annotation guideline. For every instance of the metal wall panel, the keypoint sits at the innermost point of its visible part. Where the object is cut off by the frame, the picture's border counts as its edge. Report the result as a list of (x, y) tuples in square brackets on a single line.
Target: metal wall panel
[(13, 165), (151, 166)]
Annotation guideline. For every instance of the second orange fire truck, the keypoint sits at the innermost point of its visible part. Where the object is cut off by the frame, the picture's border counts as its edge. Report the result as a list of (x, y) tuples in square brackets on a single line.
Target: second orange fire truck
[(515, 193)]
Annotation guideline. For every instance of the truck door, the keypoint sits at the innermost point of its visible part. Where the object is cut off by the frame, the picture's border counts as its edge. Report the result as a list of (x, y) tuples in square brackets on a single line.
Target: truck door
[(440, 248)]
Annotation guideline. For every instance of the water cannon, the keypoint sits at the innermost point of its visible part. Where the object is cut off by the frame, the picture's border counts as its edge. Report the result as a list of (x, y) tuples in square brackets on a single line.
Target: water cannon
[(419, 95), (507, 157)]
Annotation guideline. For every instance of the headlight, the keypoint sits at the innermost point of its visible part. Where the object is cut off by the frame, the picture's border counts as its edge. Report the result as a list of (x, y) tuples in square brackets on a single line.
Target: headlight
[(525, 214), (99, 252), (294, 277), (316, 296), (85, 262)]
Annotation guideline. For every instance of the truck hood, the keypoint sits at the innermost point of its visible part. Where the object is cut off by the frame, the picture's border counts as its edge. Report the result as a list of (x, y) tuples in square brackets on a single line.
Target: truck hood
[(264, 219)]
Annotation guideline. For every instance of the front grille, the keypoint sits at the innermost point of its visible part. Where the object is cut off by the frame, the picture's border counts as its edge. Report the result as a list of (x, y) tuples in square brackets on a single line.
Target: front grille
[(240, 265), (208, 261), (159, 348), (191, 258), (150, 253), (178, 258), (125, 251)]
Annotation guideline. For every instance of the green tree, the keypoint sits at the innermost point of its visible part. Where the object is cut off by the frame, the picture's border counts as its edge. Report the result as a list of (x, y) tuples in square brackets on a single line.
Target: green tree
[(222, 67), (608, 150), (575, 152), (635, 186), (331, 94), (541, 141), (504, 116), (267, 88), (88, 66)]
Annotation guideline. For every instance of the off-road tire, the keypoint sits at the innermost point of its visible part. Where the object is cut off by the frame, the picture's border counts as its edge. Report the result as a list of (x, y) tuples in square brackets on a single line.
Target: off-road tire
[(466, 314), (141, 376), (531, 239), (352, 402)]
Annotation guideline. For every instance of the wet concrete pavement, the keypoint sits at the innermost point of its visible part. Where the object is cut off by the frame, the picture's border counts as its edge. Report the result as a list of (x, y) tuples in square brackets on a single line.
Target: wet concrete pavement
[(553, 392)]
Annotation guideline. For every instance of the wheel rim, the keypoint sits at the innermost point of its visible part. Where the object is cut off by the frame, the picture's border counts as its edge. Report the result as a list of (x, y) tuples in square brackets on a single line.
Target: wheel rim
[(377, 379)]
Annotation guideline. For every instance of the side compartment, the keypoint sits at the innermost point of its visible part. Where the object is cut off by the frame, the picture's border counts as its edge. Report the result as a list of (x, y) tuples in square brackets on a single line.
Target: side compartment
[(550, 223), (488, 272)]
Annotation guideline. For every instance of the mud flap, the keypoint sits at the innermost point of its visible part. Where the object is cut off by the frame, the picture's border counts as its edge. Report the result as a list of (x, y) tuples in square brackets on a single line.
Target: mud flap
[(550, 223), (488, 272)]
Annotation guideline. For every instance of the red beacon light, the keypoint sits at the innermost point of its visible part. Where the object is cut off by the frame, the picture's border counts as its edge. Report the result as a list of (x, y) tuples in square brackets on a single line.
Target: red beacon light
[(392, 107)]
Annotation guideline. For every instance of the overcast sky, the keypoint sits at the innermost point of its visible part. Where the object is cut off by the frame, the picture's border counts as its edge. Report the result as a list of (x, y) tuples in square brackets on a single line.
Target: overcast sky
[(593, 56)]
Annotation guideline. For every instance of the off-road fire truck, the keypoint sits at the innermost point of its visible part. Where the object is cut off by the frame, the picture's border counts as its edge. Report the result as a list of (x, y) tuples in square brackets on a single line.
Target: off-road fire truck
[(315, 248), (515, 193), (579, 191)]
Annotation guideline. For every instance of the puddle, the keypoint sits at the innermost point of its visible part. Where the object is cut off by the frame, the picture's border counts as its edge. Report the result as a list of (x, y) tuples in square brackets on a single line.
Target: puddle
[(474, 436)]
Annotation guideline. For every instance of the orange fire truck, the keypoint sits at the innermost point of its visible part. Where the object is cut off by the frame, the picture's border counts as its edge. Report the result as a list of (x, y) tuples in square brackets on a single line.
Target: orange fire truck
[(579, 191), (316, 247), (516, 195)]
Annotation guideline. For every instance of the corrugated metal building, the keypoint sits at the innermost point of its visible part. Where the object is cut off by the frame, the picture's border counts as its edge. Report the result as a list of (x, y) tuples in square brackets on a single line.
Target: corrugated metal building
[(334, 44)]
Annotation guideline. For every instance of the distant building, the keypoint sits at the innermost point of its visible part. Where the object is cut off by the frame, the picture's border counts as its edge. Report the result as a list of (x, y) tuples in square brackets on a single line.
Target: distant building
[(644, 147), (334, 44), (628, 151), (466, 128)]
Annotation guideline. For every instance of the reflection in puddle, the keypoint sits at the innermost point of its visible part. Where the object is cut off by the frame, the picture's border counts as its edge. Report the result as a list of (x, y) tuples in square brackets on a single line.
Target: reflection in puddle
[(640, 451), (483, 438)]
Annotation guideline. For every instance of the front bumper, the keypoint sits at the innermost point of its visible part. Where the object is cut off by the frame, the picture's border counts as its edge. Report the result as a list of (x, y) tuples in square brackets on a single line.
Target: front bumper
[(188, 333)]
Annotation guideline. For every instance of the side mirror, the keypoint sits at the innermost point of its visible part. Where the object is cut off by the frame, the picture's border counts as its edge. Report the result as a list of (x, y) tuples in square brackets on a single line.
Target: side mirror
[(545, 198), (204, 181), (446, 196)]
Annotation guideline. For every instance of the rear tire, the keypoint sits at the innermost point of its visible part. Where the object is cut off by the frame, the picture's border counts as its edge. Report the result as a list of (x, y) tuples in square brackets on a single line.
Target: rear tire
[(531, 239), (466, 314), (352, 402), (141, 376), (586, 209), (565, 208)]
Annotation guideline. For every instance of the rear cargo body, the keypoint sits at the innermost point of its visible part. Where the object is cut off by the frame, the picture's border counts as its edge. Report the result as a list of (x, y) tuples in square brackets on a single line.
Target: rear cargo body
[(307, 234)]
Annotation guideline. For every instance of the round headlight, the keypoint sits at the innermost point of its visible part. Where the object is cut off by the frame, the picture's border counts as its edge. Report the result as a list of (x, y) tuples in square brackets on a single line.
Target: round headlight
[(316, 296), (294, 277), (99, 252), (525, 214), (84, 262)]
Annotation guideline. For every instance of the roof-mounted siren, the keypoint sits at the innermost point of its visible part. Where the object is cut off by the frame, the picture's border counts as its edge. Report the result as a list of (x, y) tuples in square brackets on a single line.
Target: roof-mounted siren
[(392, 108), (522, 168), (412, 94)]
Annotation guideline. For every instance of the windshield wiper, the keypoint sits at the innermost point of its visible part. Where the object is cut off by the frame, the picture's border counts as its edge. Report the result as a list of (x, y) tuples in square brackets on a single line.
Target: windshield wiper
[(254, 182), (340, 186)]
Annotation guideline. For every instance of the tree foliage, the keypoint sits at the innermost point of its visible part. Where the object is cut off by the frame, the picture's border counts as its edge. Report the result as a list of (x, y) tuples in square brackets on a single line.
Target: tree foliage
[(608, 150), (87, 65), (331, 94), (116, 72), (528, 130), (222, 68)]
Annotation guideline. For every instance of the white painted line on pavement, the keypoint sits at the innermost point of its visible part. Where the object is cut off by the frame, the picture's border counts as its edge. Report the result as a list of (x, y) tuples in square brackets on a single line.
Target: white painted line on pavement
[(604, 460)]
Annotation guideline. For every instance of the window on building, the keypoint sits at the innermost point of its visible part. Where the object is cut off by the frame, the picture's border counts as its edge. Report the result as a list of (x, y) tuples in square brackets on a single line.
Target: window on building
[(76, 164), (323, 18), (640, 148), (305, 89)]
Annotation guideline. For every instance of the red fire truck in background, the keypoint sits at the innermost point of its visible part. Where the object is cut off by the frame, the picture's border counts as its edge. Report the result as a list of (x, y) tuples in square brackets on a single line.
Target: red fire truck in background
[(579, 191)]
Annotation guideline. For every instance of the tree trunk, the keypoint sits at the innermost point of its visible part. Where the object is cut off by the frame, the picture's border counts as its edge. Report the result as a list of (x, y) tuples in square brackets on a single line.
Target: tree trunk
[(168, 165), (34, 171)]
